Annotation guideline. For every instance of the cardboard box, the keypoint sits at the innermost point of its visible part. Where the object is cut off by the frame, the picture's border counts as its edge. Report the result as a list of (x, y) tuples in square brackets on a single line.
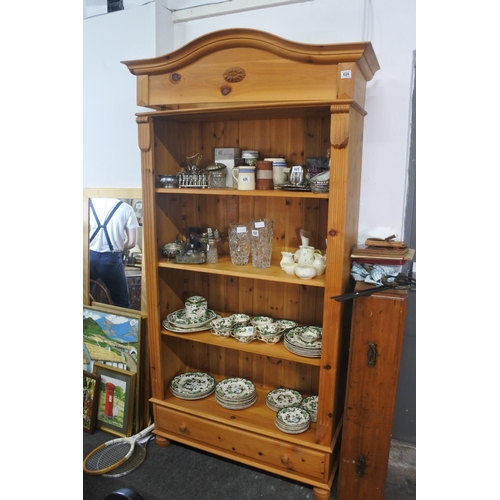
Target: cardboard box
[(227, 156)]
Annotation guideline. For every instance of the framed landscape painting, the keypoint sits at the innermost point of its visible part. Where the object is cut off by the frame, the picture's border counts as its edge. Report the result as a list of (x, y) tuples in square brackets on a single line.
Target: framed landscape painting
[(112, 337), (116, 400), (91, 387)]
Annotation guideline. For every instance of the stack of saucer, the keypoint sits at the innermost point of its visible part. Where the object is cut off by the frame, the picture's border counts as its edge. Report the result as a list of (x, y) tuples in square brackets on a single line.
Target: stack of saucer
[(310, 404), (300, 340), (192, 385), (282, 398), (292, 420), (235, 393), (194, 317)]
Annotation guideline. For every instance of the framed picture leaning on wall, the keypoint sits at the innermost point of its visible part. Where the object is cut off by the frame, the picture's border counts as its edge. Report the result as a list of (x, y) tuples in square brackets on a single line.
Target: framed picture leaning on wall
[(116, 400), (112, 337), (91, 386)]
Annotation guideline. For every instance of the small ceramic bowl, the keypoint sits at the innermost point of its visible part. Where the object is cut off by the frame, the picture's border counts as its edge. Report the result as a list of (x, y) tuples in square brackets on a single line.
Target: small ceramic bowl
[(270, 339), (288, 324), (270, 333), (240, 319), (261, 320), (223, 322), (222, 327), (310, 334), (305, 272), (244, 334), (289, 267), (271, 329)]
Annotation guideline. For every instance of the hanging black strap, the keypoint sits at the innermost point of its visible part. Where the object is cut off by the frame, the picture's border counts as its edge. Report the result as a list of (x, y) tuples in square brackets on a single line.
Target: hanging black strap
[(103, 226)]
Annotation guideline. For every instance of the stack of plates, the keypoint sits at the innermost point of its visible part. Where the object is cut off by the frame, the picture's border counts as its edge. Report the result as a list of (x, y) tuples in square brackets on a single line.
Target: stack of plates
[(192, 385), (180, 323), (235, 393), (294, 342), (310, 404), (282, 398), (292, 420)]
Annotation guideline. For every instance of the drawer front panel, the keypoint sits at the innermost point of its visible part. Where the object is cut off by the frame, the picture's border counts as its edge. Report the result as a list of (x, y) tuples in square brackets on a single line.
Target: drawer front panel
[(288, 457)]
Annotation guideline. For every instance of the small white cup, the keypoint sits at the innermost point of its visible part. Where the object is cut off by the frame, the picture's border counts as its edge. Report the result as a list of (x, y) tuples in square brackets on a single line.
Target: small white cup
[(240, 319), (222, 327), (258, 321), (310, 335), (244, 334)]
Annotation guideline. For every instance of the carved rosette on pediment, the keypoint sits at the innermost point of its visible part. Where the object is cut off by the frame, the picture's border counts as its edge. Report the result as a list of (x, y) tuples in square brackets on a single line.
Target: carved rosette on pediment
[(234, 74)]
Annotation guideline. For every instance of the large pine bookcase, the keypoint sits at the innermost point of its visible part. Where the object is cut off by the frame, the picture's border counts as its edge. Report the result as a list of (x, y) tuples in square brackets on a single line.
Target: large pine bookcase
[(252, 90)]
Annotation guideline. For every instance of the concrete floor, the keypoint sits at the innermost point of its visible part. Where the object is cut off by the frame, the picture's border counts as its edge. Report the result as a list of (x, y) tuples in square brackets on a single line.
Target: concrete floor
[(213, 478), (401, 474)]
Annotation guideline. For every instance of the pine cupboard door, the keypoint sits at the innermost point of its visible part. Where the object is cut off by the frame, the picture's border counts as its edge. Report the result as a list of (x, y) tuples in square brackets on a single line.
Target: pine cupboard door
[(375, 351)]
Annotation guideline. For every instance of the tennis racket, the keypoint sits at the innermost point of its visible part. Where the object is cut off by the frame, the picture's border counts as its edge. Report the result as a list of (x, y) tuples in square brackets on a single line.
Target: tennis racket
[(113, 453)]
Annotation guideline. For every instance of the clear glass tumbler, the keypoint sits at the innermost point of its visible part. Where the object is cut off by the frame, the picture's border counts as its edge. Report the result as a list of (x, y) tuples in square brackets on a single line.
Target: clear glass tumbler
[(261, 231), (239, 243)]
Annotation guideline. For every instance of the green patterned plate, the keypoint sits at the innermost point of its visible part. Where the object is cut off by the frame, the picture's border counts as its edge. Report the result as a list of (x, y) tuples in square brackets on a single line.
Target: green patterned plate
[(292, 420), (192, 385), (179, 319), (295, 337), (282, 397), (231, 389)]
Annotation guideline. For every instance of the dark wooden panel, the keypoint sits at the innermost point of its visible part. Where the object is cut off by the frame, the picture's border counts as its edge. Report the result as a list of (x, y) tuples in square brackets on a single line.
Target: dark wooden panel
[(375, 352)]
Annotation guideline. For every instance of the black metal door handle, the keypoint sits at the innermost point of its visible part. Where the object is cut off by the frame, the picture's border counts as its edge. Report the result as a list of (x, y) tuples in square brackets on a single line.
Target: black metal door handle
[(372, 354), (360, 466)]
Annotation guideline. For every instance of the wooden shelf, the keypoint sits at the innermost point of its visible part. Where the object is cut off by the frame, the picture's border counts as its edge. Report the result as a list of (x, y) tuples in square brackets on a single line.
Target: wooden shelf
[(251, 111), (258, 418), (278, 193), (226, 268), (258, 347)]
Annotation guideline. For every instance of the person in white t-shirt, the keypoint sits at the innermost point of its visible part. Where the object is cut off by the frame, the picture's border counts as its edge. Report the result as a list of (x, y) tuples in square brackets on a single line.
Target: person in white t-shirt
[(113, 230)]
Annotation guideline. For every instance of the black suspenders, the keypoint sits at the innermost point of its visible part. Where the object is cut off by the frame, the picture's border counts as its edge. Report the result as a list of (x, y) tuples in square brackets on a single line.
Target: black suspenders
[(103, 226)]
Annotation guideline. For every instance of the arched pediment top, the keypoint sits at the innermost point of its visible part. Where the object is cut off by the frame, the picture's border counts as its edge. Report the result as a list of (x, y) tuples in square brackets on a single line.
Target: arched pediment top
[(358, 52)]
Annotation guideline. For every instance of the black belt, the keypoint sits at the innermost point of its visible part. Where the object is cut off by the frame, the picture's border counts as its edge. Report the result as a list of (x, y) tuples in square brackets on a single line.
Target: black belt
[(115, 251)]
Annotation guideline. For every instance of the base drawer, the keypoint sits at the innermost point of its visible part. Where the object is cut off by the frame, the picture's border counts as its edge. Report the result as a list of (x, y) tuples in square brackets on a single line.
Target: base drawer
[(237, 442)]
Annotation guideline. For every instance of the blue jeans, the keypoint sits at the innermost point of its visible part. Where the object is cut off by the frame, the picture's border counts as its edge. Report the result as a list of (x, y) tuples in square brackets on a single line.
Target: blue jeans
[(109, 268)]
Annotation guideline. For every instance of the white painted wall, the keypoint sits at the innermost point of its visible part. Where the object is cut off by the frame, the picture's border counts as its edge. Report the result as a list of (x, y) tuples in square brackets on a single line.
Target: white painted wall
[(111, 155), (390, 26)]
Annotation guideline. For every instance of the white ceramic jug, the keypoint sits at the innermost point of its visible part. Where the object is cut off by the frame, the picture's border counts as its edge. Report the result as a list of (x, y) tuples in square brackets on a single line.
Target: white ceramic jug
[(319, 263), (288, 258), (305, 255)]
